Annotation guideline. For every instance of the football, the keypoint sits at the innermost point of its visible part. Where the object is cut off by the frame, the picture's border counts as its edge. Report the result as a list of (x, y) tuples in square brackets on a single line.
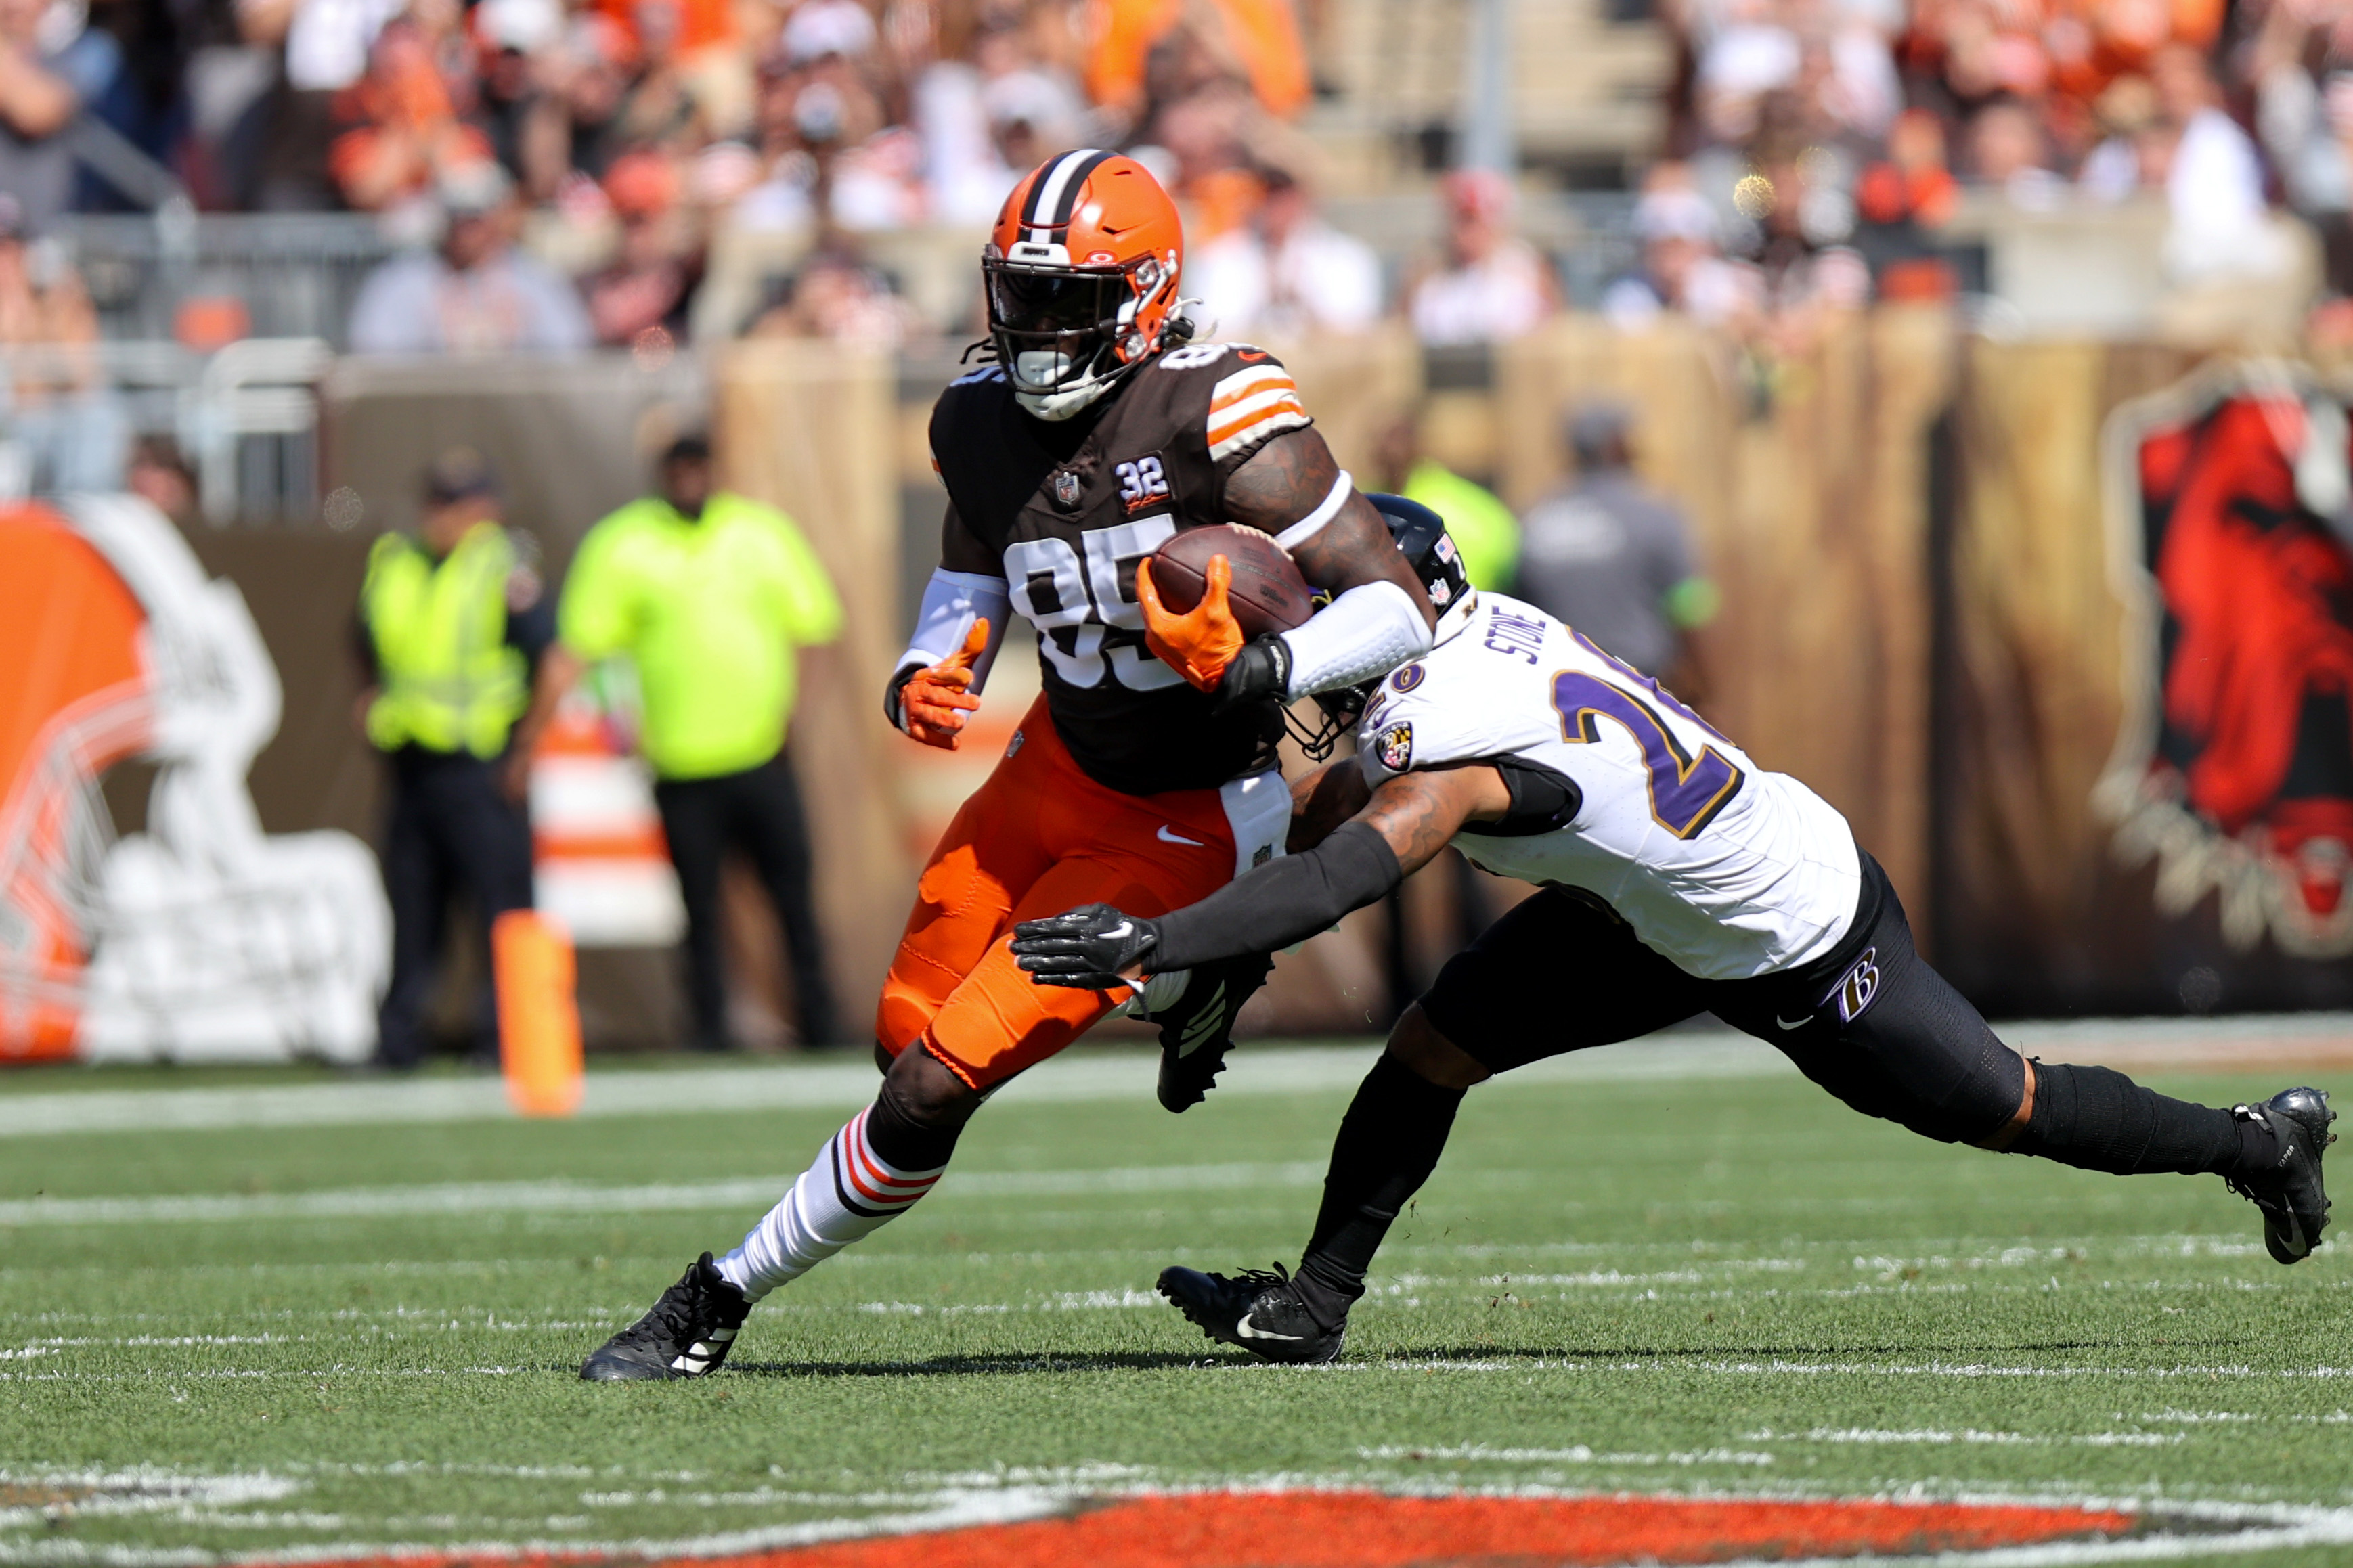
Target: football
[(1267, 593)]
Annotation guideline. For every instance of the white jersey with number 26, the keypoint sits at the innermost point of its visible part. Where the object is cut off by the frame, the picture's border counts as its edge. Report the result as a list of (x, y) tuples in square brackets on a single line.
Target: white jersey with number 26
[(1725, 869)]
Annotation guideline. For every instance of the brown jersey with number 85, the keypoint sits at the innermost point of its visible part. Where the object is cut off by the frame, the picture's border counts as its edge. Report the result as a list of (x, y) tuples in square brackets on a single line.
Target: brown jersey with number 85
[(1065, 511)]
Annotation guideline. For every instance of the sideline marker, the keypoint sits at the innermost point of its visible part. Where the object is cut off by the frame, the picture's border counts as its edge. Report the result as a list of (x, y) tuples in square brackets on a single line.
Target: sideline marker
[(539, 1017)]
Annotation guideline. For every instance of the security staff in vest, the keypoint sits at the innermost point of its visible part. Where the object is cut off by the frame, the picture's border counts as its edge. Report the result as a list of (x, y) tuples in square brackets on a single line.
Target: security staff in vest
[(710, 595), (453, 631)]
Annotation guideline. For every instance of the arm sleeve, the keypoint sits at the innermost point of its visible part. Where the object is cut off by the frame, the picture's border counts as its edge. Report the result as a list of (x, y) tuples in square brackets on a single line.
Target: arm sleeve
[(812, 608), (1289, 897), (952, 602), (1366, 632)]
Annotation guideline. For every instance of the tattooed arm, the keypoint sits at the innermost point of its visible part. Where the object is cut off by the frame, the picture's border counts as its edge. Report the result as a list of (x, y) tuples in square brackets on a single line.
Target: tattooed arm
[(1282, 488), (1324, 799), (1405, 824)]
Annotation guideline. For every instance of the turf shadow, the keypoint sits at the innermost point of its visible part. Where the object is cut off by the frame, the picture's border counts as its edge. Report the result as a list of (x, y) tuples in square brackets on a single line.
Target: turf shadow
[(997, 1364)]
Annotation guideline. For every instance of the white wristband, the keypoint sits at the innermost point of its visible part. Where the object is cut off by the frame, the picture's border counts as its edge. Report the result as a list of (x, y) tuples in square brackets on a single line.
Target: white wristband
[(1308, 527)]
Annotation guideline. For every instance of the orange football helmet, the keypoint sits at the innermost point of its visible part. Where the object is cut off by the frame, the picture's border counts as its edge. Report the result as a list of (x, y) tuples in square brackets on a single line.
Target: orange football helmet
[(1082, 278)]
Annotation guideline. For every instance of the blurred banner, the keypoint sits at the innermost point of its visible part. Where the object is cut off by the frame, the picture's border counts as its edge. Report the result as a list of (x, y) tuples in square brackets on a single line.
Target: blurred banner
[(2065, 630), (2146, 797)]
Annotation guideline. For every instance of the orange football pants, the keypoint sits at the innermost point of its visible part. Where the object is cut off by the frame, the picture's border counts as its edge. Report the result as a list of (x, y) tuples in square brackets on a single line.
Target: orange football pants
[(1039, 838)]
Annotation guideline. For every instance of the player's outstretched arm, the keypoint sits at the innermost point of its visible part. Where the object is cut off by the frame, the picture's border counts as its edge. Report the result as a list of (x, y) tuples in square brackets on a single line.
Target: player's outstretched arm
[(1404, 825)]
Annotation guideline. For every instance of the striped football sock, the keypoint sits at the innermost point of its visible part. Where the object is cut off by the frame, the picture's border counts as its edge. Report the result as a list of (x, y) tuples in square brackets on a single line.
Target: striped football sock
[(849, 1193)]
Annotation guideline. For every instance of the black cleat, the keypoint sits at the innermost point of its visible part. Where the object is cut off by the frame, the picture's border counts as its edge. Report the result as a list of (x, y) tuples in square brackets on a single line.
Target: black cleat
[(2295, 1204), (1262, 1312), (1196, 1029), (687, 1334)]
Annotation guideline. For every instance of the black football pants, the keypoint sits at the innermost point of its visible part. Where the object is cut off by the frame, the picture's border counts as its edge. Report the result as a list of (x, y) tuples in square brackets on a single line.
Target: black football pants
[(758, 809), (449, 830), (1870, 1022)]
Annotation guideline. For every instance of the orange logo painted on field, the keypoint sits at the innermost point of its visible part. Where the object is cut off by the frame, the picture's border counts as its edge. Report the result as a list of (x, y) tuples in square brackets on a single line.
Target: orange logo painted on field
[(75, 699), (1370, 1529)]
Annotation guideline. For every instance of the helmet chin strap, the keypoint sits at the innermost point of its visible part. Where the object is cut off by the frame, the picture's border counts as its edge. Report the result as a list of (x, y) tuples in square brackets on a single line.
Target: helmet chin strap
[(1064, 402)]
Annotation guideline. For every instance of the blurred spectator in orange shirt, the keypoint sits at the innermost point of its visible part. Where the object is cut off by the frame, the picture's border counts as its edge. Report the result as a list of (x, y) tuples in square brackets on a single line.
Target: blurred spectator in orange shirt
[(639, 301), (404, 131), (1259, 36), (1914, 184)]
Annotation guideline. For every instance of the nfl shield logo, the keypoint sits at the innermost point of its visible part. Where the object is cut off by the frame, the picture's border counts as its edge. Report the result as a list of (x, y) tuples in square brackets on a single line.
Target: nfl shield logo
[(1066, 490)]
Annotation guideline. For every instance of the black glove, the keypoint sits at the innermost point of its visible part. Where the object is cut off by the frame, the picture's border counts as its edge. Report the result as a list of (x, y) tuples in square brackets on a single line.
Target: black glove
[(1084, 948), (1259, 671)]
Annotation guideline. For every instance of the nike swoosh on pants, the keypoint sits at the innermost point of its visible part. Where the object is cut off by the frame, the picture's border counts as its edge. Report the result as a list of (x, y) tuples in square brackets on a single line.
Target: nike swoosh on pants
[(1169, 837), (1786, 1023)]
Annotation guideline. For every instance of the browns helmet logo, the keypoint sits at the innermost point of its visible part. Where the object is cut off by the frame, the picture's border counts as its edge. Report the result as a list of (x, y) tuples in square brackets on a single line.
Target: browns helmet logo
[(219, 940), (2230, 526)]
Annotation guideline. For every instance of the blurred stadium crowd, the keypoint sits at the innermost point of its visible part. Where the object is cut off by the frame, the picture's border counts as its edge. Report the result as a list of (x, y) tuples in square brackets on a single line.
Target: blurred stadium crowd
[(558, 171)]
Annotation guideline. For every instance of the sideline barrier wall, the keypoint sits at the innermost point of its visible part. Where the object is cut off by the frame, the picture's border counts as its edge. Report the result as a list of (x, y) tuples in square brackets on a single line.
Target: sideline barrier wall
[(1911, 527)]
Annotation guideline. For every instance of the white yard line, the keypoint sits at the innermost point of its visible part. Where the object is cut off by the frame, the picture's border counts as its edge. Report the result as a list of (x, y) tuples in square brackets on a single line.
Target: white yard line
[(2313, 1039), (573, 1197), (2308, 1038), (794, 1085)]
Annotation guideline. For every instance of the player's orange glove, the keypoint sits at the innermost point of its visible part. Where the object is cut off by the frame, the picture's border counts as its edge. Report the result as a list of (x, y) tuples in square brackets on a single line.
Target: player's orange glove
[(1200, 643), (933, 702)]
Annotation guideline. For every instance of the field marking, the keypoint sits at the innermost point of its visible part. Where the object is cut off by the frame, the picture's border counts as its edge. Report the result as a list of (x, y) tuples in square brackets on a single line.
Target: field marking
[(825, 1085), (982, 1499), (2181, 1044), (577, 1197)]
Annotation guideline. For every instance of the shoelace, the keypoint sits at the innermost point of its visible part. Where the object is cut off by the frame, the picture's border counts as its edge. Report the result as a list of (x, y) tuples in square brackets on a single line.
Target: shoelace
[(671, 1320), (1257, 1278)]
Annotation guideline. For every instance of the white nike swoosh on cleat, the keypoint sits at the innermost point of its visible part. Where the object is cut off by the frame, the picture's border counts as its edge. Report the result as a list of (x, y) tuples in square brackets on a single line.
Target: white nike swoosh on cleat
[(1797, 1024), (1169, 837), (1244, 1330)]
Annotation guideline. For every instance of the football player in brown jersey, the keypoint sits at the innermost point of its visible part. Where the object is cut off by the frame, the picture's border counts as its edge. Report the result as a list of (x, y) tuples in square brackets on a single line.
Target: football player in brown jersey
[(1144, 776)]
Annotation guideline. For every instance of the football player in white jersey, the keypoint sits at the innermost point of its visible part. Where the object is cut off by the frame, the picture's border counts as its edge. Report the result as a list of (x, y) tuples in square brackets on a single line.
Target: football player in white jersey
[(1677, 878)]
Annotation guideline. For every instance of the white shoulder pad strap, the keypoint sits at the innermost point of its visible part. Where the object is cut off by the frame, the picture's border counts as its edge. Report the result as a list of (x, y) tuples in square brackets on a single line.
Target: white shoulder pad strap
[(952, 602), (1367, 631)]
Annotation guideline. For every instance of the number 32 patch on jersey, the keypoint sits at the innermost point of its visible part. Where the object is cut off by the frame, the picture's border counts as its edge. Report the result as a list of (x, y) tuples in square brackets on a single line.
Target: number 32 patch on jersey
[(1397, 747), (1141, 483)]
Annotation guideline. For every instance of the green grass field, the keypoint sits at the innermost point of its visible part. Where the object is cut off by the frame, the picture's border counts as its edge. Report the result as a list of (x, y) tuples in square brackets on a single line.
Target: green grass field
[(1718, 1283)]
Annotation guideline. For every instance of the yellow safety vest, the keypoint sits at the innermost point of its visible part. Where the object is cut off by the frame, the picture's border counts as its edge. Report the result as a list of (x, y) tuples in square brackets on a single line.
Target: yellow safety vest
[(452, 681)]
